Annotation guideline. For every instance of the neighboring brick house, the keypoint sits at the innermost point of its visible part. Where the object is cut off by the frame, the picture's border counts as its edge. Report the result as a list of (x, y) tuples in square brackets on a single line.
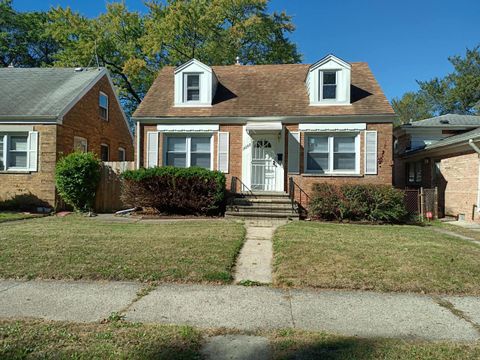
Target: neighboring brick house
[(265, 124), (46, 113), (442, 152)]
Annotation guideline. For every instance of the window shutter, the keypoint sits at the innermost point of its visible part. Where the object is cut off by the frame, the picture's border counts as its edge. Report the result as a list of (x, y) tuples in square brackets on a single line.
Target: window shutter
[(370, 152), (32, 150), (152, 149), (223, 151), (294, 152)]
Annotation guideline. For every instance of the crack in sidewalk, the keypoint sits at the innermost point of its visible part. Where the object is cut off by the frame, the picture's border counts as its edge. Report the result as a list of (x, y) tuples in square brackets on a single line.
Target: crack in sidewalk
[(144, 291), (456, 312)]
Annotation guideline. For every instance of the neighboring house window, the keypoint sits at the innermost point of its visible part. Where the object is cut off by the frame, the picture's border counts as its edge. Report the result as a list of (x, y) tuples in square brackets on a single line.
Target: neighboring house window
[(121, 154), (414, 171), (186, 151), (328, 85), (18, 151), (103, 105), (104, 152), (191, 87), (337, 153), (80, 144)]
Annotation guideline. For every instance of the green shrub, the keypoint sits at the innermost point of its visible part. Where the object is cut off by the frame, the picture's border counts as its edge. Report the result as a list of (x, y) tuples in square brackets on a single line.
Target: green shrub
[(77, 176), (372, 203), (175, 190)]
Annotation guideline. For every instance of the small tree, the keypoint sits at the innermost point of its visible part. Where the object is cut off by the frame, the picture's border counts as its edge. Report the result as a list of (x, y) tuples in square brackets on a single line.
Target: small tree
[(77, 176)]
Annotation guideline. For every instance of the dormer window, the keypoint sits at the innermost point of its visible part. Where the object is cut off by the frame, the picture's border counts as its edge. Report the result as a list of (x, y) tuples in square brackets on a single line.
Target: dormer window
[(328, 82), (192, 87)]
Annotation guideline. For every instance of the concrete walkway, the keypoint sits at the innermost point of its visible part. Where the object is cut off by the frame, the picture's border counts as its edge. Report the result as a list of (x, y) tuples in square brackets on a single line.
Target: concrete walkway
[(254, 262), (365, 314)]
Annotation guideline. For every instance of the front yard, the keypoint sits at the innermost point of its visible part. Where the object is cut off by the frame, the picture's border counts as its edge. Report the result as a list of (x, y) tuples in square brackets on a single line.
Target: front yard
[(12, 216), (375, 257), (75, 247)]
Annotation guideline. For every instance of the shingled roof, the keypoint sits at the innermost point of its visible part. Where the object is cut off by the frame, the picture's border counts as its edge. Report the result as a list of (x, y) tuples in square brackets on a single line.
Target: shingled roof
[(448, 120), (264, 90), (42, 92)]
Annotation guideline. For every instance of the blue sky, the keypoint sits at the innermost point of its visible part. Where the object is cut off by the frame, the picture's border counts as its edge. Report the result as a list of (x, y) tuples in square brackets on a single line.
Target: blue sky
[(402, 40)]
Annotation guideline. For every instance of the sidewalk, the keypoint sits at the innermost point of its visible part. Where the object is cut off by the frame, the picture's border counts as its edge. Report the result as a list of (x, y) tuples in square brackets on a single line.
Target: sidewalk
[(365, 314)]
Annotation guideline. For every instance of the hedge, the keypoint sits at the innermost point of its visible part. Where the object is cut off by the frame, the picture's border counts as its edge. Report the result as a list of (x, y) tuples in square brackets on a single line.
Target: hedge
[(372, 203), (175, 190)]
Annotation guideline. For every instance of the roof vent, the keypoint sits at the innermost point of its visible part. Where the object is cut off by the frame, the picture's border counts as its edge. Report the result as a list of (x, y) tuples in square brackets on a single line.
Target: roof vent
[(78, 69), (444, 121)]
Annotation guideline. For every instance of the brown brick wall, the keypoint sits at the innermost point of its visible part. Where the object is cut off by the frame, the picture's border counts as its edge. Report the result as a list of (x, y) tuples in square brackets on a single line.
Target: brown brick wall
[(40, 184), (84, 120), (460, 176)]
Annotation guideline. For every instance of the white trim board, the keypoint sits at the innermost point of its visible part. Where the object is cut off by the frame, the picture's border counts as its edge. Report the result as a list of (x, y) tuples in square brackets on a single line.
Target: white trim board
[(332, 127), (189, 128)]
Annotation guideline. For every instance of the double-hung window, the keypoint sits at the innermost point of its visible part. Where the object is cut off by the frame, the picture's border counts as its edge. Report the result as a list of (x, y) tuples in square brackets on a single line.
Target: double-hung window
[(328, 85), (414, 171), (103, 105), (187, 151), (191, 88), (18, 151), (332, 153)]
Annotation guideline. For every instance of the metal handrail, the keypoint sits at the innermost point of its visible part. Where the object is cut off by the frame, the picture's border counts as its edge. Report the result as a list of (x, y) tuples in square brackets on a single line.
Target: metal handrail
[(291, 193), (234, 186)]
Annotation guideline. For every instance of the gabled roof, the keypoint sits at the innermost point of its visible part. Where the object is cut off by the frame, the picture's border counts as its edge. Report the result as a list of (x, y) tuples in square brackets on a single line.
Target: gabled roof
[(448, 120), (262, 91), (327, 58), (43, 92)]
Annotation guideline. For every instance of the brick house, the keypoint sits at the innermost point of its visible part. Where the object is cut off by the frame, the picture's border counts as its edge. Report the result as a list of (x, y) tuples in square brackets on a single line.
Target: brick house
[(48, 112), (263, 125), (442, 152)]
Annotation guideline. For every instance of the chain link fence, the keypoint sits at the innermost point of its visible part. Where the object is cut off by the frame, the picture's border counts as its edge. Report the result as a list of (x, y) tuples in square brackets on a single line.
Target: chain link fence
[(422, 202)]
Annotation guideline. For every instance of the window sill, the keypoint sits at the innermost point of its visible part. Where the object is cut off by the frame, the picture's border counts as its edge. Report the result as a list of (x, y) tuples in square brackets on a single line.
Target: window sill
[(332, 175), (15, 172)]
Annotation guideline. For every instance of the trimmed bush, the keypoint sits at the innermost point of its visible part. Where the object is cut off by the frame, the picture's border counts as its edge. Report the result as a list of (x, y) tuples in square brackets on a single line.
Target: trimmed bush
[(77, 176), (372, 203), (174, 190)]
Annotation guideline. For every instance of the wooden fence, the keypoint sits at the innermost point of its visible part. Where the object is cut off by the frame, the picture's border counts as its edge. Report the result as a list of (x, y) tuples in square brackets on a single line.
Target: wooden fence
[(107, 198)]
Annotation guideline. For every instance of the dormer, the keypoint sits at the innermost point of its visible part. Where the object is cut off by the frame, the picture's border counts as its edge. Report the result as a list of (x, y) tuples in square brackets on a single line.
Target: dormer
[(195, 84), (328, 82)]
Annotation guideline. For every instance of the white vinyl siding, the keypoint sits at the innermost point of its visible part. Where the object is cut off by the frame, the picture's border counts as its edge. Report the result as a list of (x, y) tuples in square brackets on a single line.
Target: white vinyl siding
[(223, 151), (19, 151), (334, 154), (370, 152), (187, 151), (294, 152), (152, 149)]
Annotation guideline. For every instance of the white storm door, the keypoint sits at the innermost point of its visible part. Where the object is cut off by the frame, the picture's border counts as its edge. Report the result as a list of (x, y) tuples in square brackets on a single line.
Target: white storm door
[(265, 168)]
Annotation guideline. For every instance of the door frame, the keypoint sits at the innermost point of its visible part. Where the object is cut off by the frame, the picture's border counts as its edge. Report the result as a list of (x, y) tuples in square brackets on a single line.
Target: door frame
[(247, 143)]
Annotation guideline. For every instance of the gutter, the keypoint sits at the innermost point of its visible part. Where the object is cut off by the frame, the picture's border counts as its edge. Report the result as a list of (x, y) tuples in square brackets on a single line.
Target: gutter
[(477, 150)]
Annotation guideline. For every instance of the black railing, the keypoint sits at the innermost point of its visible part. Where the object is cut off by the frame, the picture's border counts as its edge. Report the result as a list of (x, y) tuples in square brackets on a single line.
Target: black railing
[(293, 190), (244, 188)]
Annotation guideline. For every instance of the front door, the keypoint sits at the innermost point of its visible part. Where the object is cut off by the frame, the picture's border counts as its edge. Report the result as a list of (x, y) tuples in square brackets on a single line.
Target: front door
[(265, 168)]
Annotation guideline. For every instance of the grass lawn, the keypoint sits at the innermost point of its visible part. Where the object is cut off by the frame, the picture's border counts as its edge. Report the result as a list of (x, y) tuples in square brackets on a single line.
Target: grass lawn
[(75, 247), (42, 339), (11, 216), (375, 257), (295, 344), (460, 230), (120, 340)]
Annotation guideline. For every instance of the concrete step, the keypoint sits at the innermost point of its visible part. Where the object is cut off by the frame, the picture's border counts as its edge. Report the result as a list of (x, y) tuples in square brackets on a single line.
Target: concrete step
[(269, 215), (263, 205), (261, 209), (263, 200)]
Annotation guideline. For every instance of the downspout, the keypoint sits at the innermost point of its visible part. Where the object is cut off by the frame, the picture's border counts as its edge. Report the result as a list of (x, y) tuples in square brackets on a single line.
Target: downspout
[(477, 150)]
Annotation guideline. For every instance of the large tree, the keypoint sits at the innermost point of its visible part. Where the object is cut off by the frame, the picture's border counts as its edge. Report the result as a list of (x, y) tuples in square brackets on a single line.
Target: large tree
[(23, 38), (458, 92), (134, 47)]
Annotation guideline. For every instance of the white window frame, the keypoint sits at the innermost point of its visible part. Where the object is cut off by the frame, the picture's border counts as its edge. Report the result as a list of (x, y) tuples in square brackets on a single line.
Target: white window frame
[(331, 137), (185, 87), (123, 151), (108, 147), (6, 151), (188, 148), (321, 84), (100, 104), (81, 139)]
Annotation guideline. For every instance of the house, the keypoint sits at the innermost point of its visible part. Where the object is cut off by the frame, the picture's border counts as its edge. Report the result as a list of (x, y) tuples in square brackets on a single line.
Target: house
[(46, 113), (264, 125), (442, 152)]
